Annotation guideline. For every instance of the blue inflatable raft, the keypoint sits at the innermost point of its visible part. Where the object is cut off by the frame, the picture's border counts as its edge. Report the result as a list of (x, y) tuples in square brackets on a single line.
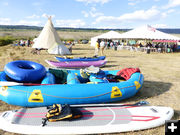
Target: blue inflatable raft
[(69, 87)]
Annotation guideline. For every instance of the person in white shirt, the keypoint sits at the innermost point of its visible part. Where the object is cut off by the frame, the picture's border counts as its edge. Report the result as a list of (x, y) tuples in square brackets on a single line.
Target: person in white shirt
[(102, 46)]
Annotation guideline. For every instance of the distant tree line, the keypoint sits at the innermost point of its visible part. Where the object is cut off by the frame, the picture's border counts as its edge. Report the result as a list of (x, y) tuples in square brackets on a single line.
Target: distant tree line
[(24, 27), (170, 31), (19, 27)]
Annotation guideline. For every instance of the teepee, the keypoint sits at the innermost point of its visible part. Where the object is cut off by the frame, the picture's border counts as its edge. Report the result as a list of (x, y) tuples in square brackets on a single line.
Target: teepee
[(59, 49), (49, 39)]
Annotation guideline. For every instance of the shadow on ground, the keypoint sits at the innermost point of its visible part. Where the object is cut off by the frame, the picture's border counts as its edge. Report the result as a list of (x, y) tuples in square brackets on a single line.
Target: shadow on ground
[(107, 66), (120, 56), (82, 49), (151, 89), (109, 61), (176, 115), (79, 53)]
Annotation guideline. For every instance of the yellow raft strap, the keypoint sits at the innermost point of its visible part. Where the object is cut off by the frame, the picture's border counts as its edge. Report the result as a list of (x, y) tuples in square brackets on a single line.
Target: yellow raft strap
[(36, 96)]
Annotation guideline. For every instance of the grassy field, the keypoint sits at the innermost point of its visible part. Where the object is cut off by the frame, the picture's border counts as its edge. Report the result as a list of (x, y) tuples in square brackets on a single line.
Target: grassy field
[(161, 75)]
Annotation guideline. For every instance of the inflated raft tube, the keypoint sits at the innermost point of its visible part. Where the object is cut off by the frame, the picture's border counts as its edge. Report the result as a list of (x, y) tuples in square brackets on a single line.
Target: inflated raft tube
[(48, 79), (3, 76), (72, 79), (25, 71)]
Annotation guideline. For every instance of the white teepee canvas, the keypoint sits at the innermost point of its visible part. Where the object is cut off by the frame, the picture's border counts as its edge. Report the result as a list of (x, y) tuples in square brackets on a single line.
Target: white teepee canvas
[(49, 39), (58, 49)]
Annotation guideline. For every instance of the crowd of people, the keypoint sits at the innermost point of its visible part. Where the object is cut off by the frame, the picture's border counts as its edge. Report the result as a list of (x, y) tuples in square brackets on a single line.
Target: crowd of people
[(28, 43), (156, 47), (148, 47), (104, 44), (24, 43), (162, 47)]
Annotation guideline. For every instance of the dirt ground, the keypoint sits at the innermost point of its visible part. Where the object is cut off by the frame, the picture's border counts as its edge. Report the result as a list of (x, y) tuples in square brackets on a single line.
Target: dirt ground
[(161, 75)]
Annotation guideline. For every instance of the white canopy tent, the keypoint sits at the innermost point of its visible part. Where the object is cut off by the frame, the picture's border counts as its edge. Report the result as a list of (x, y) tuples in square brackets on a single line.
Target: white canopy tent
[(108, 35), (147, 32), (49, 39)]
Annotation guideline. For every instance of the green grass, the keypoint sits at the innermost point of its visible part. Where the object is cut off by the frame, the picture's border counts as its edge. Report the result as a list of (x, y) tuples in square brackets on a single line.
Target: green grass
[(6, 40)]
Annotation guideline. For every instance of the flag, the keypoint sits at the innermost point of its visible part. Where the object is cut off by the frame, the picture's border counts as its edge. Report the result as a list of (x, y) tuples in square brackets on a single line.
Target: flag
[(151, 28)]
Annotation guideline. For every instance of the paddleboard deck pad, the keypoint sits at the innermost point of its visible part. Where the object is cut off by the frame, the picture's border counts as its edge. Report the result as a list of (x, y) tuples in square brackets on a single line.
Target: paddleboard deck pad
[(94, 120)]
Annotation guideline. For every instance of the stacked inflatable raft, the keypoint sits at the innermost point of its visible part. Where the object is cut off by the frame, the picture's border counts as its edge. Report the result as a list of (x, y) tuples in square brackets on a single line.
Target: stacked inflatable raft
[(37, 86), (29, 84)]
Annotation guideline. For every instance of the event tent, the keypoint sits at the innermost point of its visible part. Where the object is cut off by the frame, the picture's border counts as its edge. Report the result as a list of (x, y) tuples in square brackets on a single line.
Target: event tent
[(49, 39), (108, 35), (147, 32)]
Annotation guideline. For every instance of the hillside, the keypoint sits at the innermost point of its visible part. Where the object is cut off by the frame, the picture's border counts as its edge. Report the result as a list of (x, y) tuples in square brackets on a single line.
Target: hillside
[(24, 27), (25, 32)]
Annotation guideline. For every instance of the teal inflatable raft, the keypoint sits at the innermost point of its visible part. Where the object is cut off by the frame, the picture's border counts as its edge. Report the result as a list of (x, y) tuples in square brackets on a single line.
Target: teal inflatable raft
[(69, 87)]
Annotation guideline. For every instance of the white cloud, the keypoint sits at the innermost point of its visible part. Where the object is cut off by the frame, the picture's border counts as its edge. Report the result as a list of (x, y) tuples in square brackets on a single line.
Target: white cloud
[(94, 12), (33, 16), (27, 22), (139, 15), (46, 15), (36, 3), (93, 9), (160, 26), (5, 21), (8, 21), (166, 13), (131, 3), (135, 2), (171, 11), (85, 13), (70, 23), (172, 3), (94, 1)]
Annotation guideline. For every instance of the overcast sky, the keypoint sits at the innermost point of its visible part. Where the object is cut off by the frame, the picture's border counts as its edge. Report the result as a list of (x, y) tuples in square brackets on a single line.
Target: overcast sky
[(92, 13)]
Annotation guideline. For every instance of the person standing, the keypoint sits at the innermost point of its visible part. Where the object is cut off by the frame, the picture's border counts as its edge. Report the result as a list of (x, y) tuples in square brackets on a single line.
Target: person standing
[(102, 46), (21, 43), (97, 46), (70, 47), (111, 44), (28, 43)]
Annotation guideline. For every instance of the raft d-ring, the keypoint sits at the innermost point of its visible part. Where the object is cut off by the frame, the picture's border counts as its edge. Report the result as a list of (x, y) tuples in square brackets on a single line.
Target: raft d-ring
[(3, 90), (36, 96), (137, 84), (116, 92)]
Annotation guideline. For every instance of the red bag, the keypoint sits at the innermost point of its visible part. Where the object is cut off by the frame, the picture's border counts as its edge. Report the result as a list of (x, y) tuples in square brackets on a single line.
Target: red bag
[(127, 72)]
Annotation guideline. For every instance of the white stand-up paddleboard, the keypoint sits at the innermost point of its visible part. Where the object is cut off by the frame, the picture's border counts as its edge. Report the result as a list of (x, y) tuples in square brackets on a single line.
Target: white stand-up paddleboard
[(97, 119)]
